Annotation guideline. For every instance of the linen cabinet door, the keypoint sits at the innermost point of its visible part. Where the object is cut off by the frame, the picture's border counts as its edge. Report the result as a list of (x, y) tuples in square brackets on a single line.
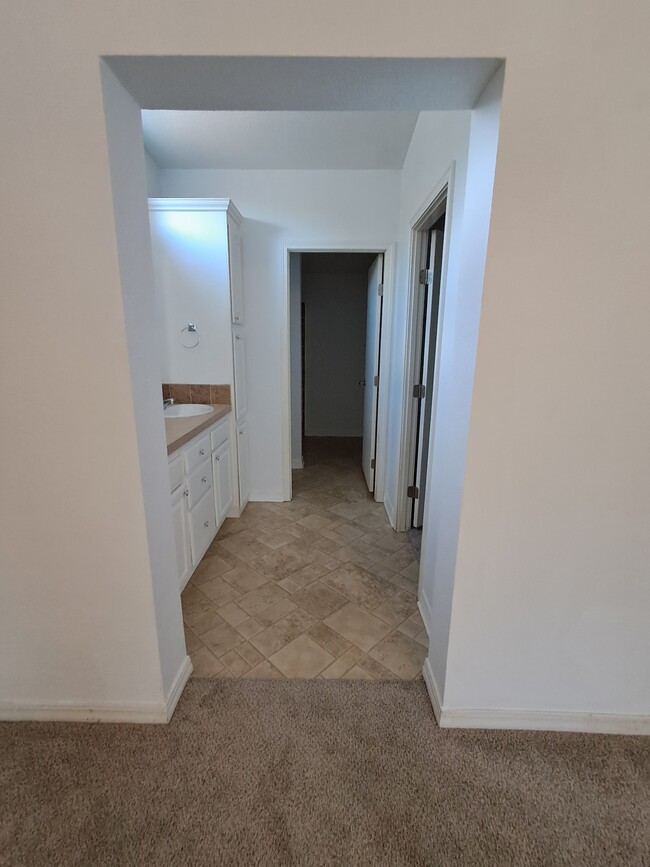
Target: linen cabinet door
[(239, 361), (242, 464), (181, 537), (234, 263), (221, 461)]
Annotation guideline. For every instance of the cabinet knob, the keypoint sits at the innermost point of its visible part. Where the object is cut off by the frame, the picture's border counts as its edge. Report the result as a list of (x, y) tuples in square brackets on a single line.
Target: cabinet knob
[(204, 479), (186, 493), (201, 451), (216, 457), (207, 524)]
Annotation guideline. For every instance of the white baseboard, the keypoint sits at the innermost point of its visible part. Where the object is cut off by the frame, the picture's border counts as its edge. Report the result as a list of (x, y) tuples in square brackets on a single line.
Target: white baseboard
[(432, 689), (153, 712), (531, 720), (182, 676), (147, 712), (266, 497), (552, 721), (390, 509), (297, 464)]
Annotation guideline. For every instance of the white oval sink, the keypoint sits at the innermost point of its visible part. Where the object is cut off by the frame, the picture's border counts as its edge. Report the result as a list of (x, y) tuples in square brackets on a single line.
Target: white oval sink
[(185, 410)]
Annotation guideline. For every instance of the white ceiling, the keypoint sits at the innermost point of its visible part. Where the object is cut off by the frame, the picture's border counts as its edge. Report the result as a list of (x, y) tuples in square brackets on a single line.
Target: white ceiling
[(278, 139), (293, 112)]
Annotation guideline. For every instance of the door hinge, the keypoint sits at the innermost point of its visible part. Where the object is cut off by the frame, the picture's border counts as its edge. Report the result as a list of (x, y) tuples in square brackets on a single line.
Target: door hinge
[(372, 464), (412, 492), (419, 391), (376, 380), (426, 276), (380, 289)]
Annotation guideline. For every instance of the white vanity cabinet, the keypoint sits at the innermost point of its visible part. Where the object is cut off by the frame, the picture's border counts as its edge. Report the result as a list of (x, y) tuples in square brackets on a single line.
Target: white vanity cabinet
[(201, 484)]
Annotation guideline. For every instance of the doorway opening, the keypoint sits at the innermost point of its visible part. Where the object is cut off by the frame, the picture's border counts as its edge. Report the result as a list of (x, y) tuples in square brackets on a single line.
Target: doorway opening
[(341, 310), (338, 322), (428, 271)]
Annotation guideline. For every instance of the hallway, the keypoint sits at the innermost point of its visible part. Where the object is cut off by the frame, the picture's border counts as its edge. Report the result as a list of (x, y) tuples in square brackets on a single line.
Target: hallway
[(317, 587)]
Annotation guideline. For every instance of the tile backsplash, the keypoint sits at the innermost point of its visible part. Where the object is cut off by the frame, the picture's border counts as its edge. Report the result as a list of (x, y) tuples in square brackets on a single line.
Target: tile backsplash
[(188, 393)]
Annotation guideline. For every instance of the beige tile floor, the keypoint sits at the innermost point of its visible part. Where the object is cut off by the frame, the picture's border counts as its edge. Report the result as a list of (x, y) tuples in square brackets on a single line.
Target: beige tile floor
[(317, 587)]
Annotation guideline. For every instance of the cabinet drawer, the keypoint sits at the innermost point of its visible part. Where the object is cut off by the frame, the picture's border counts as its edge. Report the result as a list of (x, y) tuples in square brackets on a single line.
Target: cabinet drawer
[(175, 472), (203, 526), (196, 452), (198, 482), (220, 434)]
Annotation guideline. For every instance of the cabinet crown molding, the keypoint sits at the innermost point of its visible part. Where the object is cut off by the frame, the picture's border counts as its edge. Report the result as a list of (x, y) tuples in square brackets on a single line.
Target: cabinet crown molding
[(226, 205)]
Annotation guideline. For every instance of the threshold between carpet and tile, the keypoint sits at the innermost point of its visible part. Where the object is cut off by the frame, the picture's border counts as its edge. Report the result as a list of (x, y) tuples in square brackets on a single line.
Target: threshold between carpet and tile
[(314, 772)]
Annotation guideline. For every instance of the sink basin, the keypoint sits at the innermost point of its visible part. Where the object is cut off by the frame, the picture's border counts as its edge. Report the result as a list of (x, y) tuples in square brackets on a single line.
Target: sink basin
[(185, 410)]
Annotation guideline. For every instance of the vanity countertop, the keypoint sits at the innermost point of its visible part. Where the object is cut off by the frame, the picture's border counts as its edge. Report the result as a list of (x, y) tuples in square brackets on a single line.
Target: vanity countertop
[(181, 430)]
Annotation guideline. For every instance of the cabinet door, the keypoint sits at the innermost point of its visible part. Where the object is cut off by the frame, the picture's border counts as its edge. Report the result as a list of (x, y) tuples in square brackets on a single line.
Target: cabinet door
[(234, 263), (240, 372), (242, 464), (181, 536), (222, 481), (203, 527)]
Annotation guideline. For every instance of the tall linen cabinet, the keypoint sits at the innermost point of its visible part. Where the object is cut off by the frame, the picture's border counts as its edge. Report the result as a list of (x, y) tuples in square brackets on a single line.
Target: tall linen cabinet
[(197, 263)]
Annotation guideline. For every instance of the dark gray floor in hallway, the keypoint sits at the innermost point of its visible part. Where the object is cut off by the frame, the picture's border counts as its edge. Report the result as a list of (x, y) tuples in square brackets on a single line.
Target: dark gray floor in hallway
[(318, 773)]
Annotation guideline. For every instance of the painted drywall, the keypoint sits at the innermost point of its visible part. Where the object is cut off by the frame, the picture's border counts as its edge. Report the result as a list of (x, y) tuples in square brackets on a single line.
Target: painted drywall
[(80, 616), (136, 278), (295, 337), (282, 208), (152, 175), (566, 506), (551, 590), (440, 139), (278, 139), (335, 351)]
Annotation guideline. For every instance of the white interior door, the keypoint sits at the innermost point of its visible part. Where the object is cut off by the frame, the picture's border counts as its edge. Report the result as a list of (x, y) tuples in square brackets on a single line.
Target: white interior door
[(371, 389), (430, 314)]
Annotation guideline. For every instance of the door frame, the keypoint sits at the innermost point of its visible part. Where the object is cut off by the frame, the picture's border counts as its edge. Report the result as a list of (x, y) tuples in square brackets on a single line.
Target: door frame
[(439, 201), (388, 249)]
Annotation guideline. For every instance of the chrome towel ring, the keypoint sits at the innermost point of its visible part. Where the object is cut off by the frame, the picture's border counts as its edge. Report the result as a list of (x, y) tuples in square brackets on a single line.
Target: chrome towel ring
[(189, 336)]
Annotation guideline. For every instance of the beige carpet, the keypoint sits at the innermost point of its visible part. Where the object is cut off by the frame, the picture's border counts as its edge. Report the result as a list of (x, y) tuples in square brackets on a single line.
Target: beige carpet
[(315, 772)]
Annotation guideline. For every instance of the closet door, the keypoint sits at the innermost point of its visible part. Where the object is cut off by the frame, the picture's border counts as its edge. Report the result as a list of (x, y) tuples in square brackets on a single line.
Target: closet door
[(234, 261)]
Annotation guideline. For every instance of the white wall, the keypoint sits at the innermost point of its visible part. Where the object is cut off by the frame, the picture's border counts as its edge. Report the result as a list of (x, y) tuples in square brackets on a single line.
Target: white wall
[(124, 134), (558, 570), (280, 208), (439, 139), (152, 170), (335, 352), (83, 579), (295, 316), (551, 590)]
